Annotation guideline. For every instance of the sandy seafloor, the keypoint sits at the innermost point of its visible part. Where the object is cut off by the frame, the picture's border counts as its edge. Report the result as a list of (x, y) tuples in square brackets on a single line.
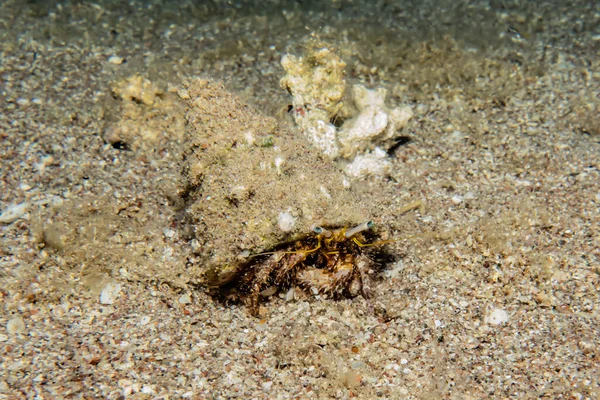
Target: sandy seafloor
[(497, 298)]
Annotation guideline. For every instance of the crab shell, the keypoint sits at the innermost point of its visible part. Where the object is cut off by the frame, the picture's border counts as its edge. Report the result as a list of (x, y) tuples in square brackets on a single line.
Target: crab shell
[(241, 172)]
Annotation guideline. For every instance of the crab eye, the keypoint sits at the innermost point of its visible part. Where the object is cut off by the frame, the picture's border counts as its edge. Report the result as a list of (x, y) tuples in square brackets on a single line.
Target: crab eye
[(359, 228), (321, 231)]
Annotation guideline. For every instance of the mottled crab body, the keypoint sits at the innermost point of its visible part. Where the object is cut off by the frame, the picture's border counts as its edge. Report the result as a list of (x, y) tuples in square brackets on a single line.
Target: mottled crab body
[(332, 262)]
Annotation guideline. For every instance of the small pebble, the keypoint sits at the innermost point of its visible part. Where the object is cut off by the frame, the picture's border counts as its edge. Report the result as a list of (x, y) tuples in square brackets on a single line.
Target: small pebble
[(290, 294), (116, 60), (185, 299), (13, 212), (110, 293), (286, 221), (261, 325), (496, 317), (15, 326)]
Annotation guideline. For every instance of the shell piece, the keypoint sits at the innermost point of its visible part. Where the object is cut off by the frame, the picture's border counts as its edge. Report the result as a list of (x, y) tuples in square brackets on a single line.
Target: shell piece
[(235, 190)]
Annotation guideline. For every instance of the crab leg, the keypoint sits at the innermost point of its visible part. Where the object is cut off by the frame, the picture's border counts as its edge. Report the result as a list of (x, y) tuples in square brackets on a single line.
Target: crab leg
[(261, 277)]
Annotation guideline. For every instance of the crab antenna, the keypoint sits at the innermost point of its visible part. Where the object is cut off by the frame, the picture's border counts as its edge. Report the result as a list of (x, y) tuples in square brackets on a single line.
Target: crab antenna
[(359, 228), (321, 231)]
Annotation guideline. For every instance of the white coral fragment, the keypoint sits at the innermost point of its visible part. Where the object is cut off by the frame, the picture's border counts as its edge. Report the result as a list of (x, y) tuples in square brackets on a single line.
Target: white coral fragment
[(317, 84), (373, 163), (374, 125)]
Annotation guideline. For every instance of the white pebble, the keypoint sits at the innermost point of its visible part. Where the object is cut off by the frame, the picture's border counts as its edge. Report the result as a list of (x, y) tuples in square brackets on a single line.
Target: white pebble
[(169, 233), (249, 138), (13, 212), (290, 294), (324, 192), (279, 161), (456, 199), (116, 60), (393, 366), (496, 317), (286, 221), (261, 326), (15, 326), (110, 293), (185, 299)]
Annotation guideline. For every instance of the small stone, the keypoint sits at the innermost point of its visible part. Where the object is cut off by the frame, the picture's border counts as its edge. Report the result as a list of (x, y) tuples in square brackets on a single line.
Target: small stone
[(496, 317), (169, 233), (13, 212), (110, 293), (286, 221), (267, 385), (261, 326), (586, 347), (456, 199), (290, 294), (185, 299), (15, 326), (116, 60)]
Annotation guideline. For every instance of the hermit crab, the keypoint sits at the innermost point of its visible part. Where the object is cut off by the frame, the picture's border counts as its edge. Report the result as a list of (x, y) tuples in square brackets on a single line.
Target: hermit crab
[(333, 262), (241, 172)]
